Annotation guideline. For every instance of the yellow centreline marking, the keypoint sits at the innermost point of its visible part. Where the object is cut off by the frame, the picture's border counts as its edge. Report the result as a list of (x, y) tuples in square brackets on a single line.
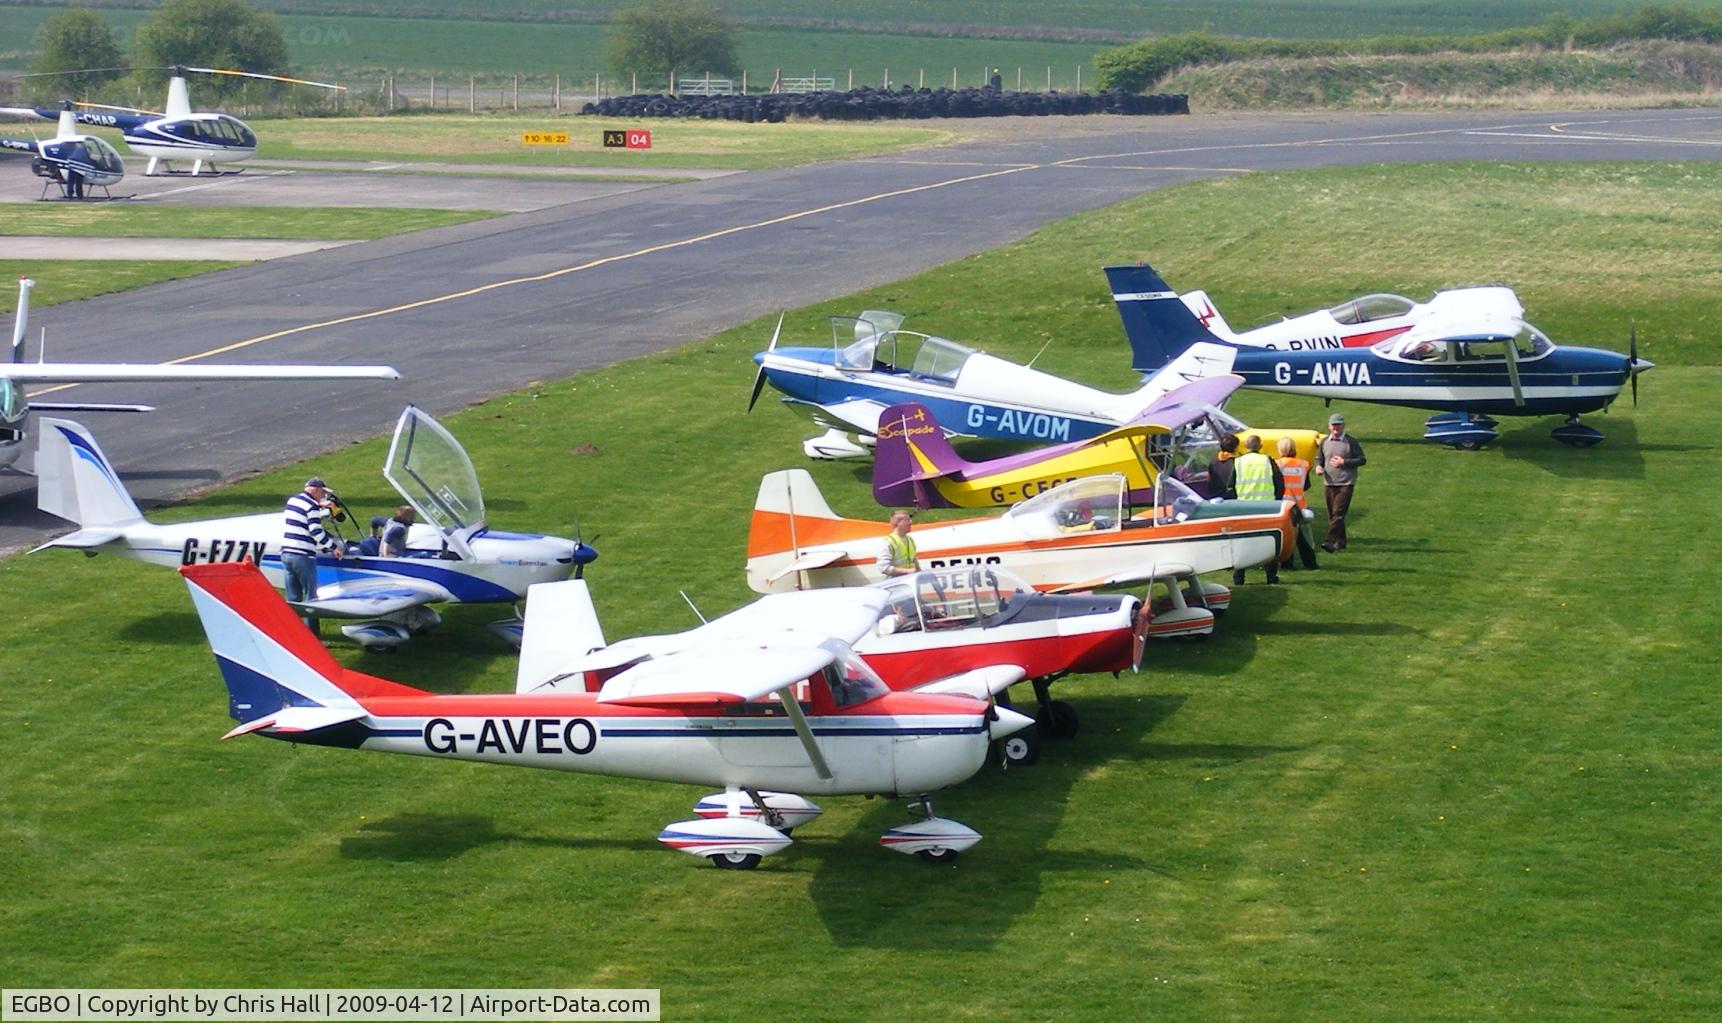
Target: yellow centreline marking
[(565, 271)]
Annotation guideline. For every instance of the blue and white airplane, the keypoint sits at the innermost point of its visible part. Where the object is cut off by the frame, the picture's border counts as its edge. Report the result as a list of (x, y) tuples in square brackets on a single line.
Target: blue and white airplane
[(452, 556), (873, 364), (1470, 367)]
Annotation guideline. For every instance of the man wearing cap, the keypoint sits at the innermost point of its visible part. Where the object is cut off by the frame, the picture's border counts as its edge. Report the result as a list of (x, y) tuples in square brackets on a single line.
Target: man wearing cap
[(303, 538), (1337, 459)]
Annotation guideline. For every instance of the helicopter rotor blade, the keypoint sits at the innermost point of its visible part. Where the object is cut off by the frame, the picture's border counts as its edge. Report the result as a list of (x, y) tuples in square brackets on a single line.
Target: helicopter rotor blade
[(109, 106), (271, 78)]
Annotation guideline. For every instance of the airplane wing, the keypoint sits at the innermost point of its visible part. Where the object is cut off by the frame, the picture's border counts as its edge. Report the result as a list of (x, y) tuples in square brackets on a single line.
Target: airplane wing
[(372, 598), (1183, 405), (1164, 570), (981, 683), (725, 673), (859, 415), (807, 563), (125, 372)]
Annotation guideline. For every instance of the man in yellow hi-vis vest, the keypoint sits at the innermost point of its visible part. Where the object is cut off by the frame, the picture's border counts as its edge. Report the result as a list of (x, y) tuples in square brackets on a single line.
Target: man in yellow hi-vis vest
[(1257, 478), (898, 555)]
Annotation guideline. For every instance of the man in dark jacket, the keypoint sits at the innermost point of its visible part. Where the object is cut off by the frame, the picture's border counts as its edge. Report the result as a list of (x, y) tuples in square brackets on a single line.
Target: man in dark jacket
[(1338, 457)]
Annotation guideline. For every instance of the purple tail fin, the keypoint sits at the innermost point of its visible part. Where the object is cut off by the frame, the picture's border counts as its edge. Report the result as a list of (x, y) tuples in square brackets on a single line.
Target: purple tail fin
[(899, 477)]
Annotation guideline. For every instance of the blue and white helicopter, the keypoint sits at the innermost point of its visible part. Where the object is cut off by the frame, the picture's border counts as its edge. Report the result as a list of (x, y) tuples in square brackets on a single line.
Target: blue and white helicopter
[(72, 160), (1469, 367), (452, 555), (873, 364), (178, 132)]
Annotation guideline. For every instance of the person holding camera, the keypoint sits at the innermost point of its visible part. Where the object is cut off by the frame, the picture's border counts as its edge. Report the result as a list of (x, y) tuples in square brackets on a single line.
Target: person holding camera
[(303, 538)]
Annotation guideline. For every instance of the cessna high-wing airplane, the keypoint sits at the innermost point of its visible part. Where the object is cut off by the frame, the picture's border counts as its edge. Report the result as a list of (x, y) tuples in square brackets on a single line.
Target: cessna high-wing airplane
[(15, 406), (771, 713), (1358, 322), (874, 364), (976, 631), (915, 465), (453, 556), (1076, 536), (1469, 367)]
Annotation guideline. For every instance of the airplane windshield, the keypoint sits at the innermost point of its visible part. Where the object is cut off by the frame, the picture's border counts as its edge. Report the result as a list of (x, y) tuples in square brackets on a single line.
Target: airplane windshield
[(1093, 503), (947, 599), (852, 682), (1371, 307), (1173, 501), (857, 338), (431, 470), (104, 156), (1532, 343), (11, 399)]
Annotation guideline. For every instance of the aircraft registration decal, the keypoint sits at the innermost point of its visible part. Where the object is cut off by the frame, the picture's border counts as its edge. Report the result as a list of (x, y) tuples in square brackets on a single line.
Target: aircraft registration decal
[(1012, 422), (544, 736), (1325, 373), (216, 552)]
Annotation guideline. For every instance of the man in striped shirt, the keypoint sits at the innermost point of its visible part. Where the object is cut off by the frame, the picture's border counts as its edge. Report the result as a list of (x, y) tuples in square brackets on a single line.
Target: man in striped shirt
[(303, 538)]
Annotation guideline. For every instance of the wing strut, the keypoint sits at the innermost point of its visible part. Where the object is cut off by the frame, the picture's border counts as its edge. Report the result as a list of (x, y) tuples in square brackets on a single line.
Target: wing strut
[(786, 696)]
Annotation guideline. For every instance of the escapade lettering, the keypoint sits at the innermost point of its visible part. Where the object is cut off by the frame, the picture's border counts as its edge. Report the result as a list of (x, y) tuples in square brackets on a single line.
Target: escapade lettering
[(218, 551), (546, 736)]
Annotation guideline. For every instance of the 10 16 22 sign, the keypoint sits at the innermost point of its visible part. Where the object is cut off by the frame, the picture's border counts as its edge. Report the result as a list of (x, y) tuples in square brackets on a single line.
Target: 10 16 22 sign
[(627, 139)]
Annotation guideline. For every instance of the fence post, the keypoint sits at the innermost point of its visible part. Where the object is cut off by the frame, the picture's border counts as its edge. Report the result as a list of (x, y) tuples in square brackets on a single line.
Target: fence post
[(472, 94), (1079, 78), (1019, 79), (516, 92), (851, 79), (672, 81), (744, 81), (433, 92), (556, 92), (1049, 78), (887, 78), (634, 84), (921, 82), (953, 78)]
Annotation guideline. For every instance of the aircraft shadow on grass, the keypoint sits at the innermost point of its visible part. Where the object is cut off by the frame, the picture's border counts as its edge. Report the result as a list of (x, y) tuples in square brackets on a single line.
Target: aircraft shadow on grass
[(1619, 457), (433, 836), (972, 904)]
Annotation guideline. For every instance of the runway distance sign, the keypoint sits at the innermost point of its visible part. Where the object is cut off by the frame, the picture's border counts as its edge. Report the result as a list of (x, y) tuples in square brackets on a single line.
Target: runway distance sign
[(544, 138), (630, 139)]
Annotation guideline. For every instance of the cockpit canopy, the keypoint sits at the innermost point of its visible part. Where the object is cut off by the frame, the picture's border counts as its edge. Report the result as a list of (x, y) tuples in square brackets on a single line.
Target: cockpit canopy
[(1094, 502), (93, 150), (217, 130), (948, 598), (1368, 308), (851, 680), (431, 470), (875, 341)]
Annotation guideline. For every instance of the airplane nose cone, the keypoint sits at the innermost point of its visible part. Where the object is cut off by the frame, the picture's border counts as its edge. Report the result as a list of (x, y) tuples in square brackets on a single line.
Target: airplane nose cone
[(759, 358), (1007, 722), (1637, 366)]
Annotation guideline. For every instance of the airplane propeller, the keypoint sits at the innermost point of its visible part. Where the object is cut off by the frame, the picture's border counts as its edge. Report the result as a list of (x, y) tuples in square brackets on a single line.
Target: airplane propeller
[(1139, 628), (1632, 362), (579, 542), (759, 378)]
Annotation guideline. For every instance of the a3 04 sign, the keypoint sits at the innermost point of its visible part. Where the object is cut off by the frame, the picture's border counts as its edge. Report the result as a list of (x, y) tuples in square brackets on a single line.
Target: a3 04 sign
[(629, 139)]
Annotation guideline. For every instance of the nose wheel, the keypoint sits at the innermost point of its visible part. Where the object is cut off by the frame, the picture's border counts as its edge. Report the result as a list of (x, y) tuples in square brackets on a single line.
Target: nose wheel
[(1575, 434), (935, 839)]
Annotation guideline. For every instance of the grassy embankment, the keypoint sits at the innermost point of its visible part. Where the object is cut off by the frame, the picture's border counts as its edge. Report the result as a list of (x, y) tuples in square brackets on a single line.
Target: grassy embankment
[(1467, 770), (63, 280)]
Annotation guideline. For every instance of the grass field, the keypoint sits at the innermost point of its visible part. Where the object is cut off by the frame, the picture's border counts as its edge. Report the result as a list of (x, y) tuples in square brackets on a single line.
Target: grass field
[(118, 221), (1466, 771)]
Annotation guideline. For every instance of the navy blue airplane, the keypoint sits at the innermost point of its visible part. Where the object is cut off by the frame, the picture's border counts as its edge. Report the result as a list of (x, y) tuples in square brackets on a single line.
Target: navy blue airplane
[(1468, 368)]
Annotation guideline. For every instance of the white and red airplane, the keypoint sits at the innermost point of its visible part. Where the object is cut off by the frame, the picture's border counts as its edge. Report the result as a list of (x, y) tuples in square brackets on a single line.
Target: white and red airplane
[(1074, 537), (975, 631), (1358, 322), (767, 712)]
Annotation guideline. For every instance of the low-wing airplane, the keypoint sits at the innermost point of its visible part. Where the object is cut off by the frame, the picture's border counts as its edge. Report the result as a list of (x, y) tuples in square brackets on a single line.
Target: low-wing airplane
[(873, 364), (72, 160), (915, 465), (1077, 536), (771, 716), (1357, 322), (1469, 368), (975, 631), (453, 556), (16, 406)]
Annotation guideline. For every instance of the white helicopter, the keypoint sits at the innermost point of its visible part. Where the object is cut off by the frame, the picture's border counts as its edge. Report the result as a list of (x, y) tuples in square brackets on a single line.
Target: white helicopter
[(177, 132), (452, 555), (72, 160), (773, 706), (16, 406)]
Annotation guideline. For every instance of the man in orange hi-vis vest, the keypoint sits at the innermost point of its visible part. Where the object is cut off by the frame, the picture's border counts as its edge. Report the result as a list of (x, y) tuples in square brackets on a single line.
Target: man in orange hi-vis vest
[(1296, 473)]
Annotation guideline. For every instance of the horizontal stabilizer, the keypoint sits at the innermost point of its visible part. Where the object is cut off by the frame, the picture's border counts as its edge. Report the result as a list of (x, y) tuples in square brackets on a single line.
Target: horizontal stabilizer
[(807, 563), (373, 598), (298, 720), (83, 538)]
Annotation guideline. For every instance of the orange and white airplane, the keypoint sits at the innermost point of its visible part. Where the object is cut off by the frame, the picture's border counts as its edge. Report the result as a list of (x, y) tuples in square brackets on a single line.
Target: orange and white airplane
[(1078, 536)]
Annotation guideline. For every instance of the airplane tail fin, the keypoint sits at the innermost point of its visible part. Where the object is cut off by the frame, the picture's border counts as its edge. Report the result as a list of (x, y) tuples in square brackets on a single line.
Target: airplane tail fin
[(76, 482), (561, 625), (911, 450), (789, 517), (1203, 309), (279, 676), (1158, 325)]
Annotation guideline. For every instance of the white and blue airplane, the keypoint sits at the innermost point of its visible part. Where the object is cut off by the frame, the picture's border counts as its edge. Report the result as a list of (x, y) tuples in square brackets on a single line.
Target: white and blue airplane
[(1469, 366), (873, 364), (453, 556)]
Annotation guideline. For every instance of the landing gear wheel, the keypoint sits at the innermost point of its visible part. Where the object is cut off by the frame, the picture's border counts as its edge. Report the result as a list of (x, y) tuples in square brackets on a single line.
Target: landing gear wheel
[(1057, 720), (734, 861), (1469, 445), (1021, 749), (937, 855)]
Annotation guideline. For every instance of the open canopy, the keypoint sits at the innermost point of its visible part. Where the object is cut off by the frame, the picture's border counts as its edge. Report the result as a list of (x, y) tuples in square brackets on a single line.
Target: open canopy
[(875, 340), (431, 471)]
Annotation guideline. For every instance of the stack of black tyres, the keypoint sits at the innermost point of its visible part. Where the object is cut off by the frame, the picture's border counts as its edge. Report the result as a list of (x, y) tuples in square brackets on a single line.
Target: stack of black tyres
[(875, 104)]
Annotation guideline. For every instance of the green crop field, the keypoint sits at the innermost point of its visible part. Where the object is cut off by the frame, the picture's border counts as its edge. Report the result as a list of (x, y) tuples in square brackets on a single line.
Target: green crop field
[(1465, 771)]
